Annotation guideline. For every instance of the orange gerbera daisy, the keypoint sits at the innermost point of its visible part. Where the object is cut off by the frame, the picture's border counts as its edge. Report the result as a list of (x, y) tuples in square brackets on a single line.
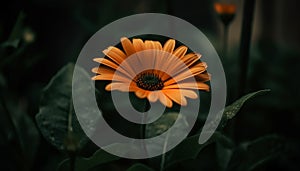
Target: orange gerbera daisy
[(153, 71)]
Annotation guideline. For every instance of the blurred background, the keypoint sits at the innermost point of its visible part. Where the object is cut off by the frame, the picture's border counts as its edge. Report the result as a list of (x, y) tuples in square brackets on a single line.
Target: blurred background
[(53, 32)]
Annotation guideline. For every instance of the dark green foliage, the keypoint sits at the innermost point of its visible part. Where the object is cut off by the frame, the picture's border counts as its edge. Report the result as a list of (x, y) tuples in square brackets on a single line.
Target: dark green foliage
[(56, 118), (40, 131)]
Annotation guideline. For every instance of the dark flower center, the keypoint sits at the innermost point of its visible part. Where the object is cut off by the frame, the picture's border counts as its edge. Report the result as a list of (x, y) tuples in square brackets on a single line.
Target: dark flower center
[(149, 81)]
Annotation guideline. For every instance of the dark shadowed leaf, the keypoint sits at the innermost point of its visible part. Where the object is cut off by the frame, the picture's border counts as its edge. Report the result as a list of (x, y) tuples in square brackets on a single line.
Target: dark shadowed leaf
[(231, 110), (85, 164), (20, 132), (190, 148), (163, 124), (249, 155), (139, 167), (56, 118), (223, 153), (16, 34)]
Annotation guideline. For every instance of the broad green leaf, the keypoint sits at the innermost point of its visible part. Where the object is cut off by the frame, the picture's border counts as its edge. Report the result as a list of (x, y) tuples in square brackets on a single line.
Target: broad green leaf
[(190, 148), (11, 43), (56, 118), (223, 154), (139, 167), (250, 155), (233, 109), (18, 28), (162, 124), (221, 118), (85, 164), (16, 34)]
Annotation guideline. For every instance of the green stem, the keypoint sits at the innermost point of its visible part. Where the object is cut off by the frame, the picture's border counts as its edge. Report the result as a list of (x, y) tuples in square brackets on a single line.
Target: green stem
[(72, 157), (143, 133), (225, 40), (163, 157), (143, 127)]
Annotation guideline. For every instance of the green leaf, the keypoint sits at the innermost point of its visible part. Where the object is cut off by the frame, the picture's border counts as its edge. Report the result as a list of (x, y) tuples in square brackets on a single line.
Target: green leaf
[(190, 148), (18, 28), (85, 164), (223, 154), (223, 117), (250, 155), (234, 108), (139, 167), (11, 43), (56, 118), (16, 34), (163, 124), (231, 110)]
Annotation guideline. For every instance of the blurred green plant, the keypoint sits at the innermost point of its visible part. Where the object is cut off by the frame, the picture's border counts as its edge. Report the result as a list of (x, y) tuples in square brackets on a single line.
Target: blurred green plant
[(19, 135)]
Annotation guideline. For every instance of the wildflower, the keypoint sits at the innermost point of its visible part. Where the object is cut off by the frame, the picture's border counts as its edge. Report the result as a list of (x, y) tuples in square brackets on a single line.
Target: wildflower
[(153, 71)]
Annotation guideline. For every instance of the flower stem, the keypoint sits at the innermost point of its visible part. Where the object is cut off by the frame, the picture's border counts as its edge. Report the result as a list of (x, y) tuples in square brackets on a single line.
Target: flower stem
[(72, 161), (143, 127), (163, 157), (143, 132), (225, 40)]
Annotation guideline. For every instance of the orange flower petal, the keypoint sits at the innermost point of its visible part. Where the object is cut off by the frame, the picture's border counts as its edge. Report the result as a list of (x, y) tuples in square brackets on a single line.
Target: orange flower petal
[(191, 58), (138, 45), (115, 54), (157, 45), (106, 62), (187, 74), (153, 96), (169, 46), (102, 77), (182, 92), (118, 57), (188, 60), (189, 93), (176, 96), (164, 99), (125, 70), (203, 77), (149, 45), (102, 70), (188, 85), (110, 76), (180, 51), (124, 87), (127, 46), (141, 93)]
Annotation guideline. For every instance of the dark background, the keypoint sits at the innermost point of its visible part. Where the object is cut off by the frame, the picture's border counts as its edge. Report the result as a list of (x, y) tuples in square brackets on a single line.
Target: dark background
[(61, 28)]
